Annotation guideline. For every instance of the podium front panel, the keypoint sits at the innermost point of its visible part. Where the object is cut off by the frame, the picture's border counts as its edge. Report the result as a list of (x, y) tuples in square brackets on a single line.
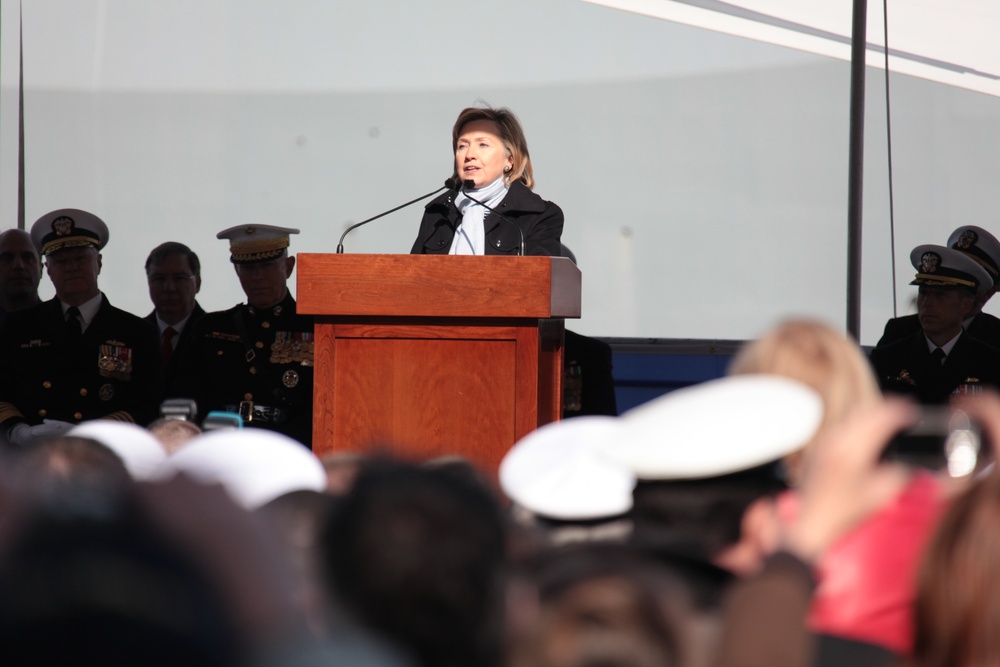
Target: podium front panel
[(418, 388)]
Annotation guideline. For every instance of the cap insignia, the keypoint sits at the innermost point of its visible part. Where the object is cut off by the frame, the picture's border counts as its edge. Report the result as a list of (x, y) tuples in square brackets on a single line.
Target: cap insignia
[(967, 239), (63, 225), (929, 262)]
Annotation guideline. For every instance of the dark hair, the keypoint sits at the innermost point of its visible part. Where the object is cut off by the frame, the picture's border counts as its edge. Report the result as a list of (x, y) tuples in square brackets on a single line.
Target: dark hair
[(108, 584), (699, 517), (416, 556), (511, 134), (164, 250)]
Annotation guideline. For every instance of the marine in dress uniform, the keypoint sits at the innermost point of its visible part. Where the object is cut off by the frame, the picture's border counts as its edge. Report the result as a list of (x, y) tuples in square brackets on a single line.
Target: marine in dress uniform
[(984, 248), (256, 358), (75, 357), (941, 359)]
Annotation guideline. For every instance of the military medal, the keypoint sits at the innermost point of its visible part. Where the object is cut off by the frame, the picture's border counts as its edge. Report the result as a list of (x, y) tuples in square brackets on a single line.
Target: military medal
[(291, 347), (115, 361), (290, 379)]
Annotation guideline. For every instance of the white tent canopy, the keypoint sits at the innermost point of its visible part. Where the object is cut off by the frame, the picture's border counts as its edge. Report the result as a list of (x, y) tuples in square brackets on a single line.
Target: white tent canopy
[(947, 41)]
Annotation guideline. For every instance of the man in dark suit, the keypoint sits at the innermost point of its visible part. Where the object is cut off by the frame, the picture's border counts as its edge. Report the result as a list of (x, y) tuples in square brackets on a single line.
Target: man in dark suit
[(20, 272), (75, 357), (984, 248), (173, 273), (941, 359), (255, 359)]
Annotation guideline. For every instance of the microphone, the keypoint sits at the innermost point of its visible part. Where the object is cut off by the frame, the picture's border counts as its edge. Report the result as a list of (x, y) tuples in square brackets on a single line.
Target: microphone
[(471, 185), (450, 183)]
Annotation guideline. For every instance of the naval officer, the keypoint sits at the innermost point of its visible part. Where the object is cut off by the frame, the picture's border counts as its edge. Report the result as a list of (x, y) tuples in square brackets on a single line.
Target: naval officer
[(75, 357), (940, 359), (256, 358)]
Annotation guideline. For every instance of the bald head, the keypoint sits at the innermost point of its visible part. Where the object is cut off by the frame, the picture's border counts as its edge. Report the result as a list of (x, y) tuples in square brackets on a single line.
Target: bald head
[(20, 270)]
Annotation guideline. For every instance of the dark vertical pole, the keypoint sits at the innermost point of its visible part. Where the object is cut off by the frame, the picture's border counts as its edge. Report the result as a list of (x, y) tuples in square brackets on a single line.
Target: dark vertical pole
[(856, 167)]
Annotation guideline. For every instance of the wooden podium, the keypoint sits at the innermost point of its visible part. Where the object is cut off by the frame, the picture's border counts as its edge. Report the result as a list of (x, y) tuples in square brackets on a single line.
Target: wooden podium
[(422, 356)]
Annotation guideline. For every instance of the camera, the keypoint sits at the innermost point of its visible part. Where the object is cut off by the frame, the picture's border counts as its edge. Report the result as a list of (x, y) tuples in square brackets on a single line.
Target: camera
[(943, 439)]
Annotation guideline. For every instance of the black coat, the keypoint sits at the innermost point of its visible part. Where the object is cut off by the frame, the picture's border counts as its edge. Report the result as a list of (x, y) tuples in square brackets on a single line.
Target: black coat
[(113, 371), (271, 369), (906, 367), (182, 340), (540, 221), (984, 326)]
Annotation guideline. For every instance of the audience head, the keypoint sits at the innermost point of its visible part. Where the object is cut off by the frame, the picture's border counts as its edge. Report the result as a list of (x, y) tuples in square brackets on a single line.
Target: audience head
[(173, 433), (958, 594), (173, 274), (818, 356), (561, 482), (20, 270), (705, 459), (254, 465), (415, 555), (606, 604)]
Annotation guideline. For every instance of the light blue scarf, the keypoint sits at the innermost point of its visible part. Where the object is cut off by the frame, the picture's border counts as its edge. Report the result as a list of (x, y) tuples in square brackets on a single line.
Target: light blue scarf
[(470, 237)]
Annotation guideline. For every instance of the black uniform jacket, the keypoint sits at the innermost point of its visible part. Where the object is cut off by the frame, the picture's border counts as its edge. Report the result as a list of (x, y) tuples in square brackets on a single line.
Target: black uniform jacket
[(540, 221), (258, 362), (984, 326), (906, 367), (113, 371)]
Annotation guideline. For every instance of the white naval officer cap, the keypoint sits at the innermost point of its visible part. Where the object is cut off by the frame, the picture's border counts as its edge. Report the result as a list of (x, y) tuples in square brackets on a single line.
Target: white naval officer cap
[(138, 449), (256, 243), (938, 266), (559, 471), (981, 246), (717, 428), (68, 228), (254, 465)]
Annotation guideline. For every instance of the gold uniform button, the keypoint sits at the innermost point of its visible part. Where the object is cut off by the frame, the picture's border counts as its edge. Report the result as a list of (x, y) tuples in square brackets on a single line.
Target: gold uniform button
[(265, 325), (78, 416), (247, 397), (253, 371), (47, 384), (258, 345), (219, 353), (43, 412), (83, 391)]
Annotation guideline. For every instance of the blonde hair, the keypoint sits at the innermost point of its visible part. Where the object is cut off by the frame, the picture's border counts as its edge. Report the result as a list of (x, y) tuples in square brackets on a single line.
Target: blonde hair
[(818, 356)]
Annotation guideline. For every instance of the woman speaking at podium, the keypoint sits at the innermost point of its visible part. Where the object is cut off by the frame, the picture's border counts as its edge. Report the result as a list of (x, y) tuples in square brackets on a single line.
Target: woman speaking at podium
[(491, 210)]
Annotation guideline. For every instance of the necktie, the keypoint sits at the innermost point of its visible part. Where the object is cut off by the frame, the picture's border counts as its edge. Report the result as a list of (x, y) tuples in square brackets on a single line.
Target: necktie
[(938, 355), (74, 328), (167, 345)]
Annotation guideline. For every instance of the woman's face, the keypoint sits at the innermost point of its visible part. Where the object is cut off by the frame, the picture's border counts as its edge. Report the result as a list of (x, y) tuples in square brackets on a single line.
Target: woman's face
[(480, 155)]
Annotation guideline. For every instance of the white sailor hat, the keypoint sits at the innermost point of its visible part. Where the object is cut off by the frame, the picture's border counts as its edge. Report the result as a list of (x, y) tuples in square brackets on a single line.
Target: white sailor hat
[(68, 228), (558, 471), (139, 449), (718, 427), (938, 266), (981, 246), (254, 465), (256, 243)]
